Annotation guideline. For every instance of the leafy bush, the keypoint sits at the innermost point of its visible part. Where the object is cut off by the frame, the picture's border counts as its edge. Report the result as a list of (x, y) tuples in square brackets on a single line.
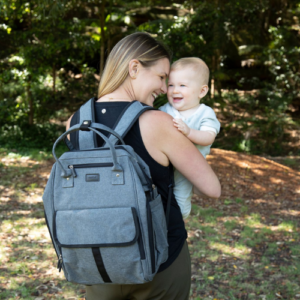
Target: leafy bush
[(254, 125), (39, 137)]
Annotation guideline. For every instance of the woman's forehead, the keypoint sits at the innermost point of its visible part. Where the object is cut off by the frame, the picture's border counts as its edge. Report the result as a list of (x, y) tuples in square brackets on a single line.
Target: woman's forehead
[(163, 66)]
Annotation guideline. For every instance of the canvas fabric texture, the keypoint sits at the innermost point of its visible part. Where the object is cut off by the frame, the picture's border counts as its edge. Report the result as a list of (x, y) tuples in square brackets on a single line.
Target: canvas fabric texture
[(174, 283), (203, 119), (105, 218)]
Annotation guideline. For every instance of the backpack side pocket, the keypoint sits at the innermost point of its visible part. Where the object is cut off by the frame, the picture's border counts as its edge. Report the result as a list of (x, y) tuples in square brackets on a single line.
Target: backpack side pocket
[(160, 231)]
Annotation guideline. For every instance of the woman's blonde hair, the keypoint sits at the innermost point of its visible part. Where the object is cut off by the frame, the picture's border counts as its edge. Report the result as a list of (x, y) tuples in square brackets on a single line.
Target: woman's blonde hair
[(140, 46)]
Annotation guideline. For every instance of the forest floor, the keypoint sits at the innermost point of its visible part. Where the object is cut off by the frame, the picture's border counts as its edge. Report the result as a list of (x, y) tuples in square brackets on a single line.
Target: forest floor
[(244, 245)]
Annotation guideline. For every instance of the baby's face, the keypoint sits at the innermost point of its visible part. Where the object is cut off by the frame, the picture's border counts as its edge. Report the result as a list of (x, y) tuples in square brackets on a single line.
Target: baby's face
[(184, 88)]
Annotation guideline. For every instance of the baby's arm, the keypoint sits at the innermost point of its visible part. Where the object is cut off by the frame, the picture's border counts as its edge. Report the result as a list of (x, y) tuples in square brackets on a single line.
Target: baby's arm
[(199, 137)]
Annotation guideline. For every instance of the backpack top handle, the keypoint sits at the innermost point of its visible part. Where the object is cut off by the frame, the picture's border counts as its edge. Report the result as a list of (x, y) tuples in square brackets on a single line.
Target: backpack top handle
[(116, 166)]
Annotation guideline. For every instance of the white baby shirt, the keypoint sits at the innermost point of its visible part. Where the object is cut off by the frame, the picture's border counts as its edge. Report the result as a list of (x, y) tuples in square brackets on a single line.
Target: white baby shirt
[(204, 118)]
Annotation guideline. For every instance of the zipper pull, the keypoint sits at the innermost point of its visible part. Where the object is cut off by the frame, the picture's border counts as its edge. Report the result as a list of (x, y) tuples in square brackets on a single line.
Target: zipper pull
[(59, 263), (154, 191), (73, 170)]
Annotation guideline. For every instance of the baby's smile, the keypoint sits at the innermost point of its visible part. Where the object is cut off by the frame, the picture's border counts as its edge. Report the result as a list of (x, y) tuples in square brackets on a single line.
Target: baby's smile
[(177, 99)]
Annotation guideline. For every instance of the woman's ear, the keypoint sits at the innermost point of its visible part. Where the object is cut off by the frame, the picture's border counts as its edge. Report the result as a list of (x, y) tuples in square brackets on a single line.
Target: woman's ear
[(203, 91), (134, 66)]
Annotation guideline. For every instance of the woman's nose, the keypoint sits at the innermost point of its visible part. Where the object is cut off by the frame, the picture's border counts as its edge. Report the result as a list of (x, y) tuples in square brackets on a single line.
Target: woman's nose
[(164, 88)]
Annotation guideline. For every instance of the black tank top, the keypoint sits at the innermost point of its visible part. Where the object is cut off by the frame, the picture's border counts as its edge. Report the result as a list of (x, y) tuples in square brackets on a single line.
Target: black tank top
[(107, 113)]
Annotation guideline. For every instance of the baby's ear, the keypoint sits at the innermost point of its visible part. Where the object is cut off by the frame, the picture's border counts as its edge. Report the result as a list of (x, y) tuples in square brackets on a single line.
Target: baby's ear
[(203, 91)]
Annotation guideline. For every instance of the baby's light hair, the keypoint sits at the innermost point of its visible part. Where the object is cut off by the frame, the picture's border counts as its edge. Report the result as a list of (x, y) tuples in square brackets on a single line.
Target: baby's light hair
[(196, 63)]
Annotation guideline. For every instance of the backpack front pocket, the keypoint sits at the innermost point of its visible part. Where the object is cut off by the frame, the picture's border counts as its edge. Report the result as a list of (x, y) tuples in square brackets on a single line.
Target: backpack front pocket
[(107, 239)]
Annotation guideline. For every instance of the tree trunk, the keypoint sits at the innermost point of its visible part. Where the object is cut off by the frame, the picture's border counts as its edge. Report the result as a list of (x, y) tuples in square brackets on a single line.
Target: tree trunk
[(28, 87), (30, 102), (102, 23), (54, 79), (212, 87), (108, 35), (108, 44)]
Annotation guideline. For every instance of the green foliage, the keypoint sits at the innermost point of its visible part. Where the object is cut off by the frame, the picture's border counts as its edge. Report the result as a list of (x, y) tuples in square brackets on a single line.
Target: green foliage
[(49, 61), (39, 137), (255, 125)]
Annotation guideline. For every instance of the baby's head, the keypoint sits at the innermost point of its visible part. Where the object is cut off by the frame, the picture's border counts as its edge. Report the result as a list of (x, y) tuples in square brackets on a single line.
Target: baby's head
[(188, 83)]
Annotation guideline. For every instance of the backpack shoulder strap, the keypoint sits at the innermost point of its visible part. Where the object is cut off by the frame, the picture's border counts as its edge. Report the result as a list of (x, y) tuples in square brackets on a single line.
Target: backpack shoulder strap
[(127, 118), (87, 139)]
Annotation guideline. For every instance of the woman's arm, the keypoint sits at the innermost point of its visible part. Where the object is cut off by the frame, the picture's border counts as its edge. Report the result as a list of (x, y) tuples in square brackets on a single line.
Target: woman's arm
[(68, 124), (164, 142)]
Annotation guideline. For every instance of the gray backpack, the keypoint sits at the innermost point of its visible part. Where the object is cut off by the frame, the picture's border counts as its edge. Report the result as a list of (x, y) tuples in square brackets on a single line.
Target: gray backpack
[(104, 215)]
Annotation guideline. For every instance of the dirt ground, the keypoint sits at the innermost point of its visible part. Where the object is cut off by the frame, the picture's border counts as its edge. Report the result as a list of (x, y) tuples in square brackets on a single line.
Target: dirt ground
[(266, 185)]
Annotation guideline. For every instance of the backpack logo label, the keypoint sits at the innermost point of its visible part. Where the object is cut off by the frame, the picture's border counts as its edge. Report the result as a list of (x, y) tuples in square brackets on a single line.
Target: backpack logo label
[(92, 177)]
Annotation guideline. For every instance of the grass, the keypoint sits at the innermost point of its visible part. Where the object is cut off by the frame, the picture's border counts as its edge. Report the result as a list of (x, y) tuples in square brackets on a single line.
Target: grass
[(288, 226), (235, 253), (29, 153), (289, 162), (230, 225), (240, 257), (27, 258)]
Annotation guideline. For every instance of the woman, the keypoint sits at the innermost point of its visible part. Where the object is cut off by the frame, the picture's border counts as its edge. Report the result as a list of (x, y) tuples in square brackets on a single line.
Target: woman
[(137, 69)]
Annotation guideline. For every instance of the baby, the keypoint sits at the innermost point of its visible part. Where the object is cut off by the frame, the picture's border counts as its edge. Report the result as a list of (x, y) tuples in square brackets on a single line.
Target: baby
[(187, 85)]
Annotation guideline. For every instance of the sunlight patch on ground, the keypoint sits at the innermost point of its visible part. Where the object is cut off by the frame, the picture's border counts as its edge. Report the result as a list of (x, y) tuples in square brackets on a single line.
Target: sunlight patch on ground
[(259, 187), (295, 213), (240, 251), (287, 226), (276, 180), (242, 164), (258, 172), (254, 221)]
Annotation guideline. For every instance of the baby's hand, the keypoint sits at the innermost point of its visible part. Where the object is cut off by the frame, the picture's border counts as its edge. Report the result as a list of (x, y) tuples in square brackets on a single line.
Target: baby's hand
[(181, 126)]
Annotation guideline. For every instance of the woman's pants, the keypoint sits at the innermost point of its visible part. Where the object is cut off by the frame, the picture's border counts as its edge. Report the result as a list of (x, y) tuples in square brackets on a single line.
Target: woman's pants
[(171, 284)]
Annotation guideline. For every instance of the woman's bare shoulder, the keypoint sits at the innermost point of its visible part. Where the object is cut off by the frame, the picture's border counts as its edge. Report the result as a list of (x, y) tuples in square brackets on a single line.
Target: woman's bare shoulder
[(156, 130), (157, 119)]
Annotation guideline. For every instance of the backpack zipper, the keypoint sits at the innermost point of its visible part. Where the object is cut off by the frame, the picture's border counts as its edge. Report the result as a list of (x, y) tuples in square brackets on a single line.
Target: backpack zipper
[(99, 149), (150, 232), (84, 166), (51, 234), (59, 263)]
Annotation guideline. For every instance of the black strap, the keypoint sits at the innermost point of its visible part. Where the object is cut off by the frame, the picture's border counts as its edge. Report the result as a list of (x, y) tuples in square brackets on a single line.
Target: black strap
[(100, 265), (145, 108), (69, 144), (170, 193)]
